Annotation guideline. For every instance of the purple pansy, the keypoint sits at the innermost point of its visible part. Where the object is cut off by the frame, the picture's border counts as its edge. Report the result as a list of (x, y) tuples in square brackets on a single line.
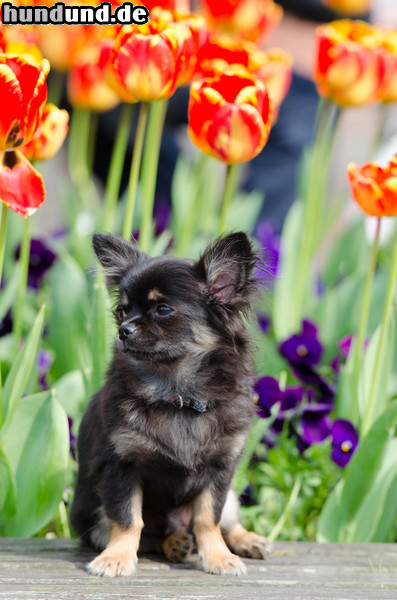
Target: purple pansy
[(267, 394), (344, 442), (291, 398), (162, 215), (264, 322), (270, 243), (303, 348), (41, 259), (72, 439), (6, 324), (315, 423), (44, 363)]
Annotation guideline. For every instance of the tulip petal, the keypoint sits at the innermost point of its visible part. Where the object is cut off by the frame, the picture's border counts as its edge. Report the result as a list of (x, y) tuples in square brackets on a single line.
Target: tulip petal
[(21, 186), (11, 107), (50, 136), (237, 133)]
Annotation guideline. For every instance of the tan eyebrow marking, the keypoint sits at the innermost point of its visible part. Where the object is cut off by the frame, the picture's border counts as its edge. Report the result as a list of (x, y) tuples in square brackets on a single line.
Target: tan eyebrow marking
[(154, 294)]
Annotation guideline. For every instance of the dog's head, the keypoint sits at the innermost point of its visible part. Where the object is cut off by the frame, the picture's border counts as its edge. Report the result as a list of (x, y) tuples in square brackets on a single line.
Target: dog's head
[(170, 307)]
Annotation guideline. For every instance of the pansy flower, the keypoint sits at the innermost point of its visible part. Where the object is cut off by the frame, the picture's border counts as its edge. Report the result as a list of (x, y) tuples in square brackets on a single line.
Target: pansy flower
[(266, 394), (40, 260), (344, 442)]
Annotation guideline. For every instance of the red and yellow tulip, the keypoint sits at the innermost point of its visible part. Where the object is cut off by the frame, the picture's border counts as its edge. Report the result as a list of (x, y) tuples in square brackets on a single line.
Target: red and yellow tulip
[(350, 66), (49, 136), (273, 66), (230, 116), (192, 34), (23, 94), (374, 188), (88, 86), (348, 7), (145, 59), (249, 19), (388, 90)]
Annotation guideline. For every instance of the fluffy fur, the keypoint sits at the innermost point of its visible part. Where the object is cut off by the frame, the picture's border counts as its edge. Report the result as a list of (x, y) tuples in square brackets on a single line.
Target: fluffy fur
[(159, 442)]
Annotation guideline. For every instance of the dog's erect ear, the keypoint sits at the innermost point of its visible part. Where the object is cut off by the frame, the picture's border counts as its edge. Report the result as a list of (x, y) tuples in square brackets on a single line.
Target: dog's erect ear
[(227, 265), (115, 254)]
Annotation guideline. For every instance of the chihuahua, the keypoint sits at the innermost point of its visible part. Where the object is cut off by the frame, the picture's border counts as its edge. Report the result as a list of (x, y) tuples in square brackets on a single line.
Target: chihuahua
[(159, 443)]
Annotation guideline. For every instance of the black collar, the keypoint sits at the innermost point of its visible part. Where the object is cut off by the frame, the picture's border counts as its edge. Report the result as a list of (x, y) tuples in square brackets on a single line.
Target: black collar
[(188, 401)]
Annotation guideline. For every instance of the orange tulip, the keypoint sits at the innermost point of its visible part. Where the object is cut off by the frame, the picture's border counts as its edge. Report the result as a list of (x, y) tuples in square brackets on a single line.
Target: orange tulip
[(230, 116), (87, 84), (145, 60), (50, 136), (374, 188), (388, 90), (350, 65), (248, 19), (181, 6), (348, 7)]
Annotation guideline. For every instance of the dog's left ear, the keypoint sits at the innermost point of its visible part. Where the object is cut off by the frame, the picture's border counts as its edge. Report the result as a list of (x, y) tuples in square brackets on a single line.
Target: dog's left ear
[(227, 266), (115, 254)]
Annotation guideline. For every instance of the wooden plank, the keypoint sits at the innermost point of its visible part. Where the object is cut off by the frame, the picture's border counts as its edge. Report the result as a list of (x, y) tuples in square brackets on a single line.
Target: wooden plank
[(39, 569)]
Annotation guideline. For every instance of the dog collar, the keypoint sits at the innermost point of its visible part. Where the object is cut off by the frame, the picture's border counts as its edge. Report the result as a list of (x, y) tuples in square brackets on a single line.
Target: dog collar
[(189, 401)]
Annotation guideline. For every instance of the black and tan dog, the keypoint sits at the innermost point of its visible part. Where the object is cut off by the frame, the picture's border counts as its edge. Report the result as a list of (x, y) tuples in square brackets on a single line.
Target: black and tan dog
[(159, 443)]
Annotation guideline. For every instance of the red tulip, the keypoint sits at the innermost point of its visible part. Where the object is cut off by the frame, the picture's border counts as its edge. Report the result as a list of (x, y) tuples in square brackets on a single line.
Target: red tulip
[(230, 116), (350, 65), (374, 188), (248, 19)]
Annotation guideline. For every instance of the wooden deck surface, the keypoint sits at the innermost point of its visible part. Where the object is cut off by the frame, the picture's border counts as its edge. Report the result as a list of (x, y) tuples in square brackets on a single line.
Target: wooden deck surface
[(39, 569)]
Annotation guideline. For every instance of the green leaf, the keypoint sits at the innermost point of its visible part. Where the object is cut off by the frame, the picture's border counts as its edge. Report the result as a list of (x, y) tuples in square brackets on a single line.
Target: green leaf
[(8, 295), (7, 490), (68, 318), (244, 211), (71, 393), (330, 521), (285, 286), (368, 368), (337, 518), (21, 369), (375, 518), (258, 430), (102, 333), (37, 447)]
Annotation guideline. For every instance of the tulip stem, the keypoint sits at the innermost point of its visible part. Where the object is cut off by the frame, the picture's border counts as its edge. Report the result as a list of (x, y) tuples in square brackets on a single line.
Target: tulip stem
[(150, 163), (3, 237), (231, 182), (380, 355), (365, 307), (116, 167), (134, 172), (24, 257), (314, 202)]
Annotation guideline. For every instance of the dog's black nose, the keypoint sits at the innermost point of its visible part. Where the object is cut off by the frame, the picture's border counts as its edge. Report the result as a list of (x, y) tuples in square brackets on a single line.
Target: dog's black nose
[(126, 330)]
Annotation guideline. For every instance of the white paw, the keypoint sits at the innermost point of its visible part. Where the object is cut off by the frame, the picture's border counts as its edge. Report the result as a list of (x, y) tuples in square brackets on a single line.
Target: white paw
[(112, 565), (225, 564)]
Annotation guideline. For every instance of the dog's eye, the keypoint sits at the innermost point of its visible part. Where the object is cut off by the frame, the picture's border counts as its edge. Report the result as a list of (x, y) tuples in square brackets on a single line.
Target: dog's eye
[(163, 310), (119, 313)]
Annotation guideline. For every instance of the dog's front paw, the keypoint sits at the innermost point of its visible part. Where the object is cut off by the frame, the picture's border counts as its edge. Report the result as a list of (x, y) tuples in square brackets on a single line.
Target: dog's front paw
[(112, 565), (248, 544), (225, 564)]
